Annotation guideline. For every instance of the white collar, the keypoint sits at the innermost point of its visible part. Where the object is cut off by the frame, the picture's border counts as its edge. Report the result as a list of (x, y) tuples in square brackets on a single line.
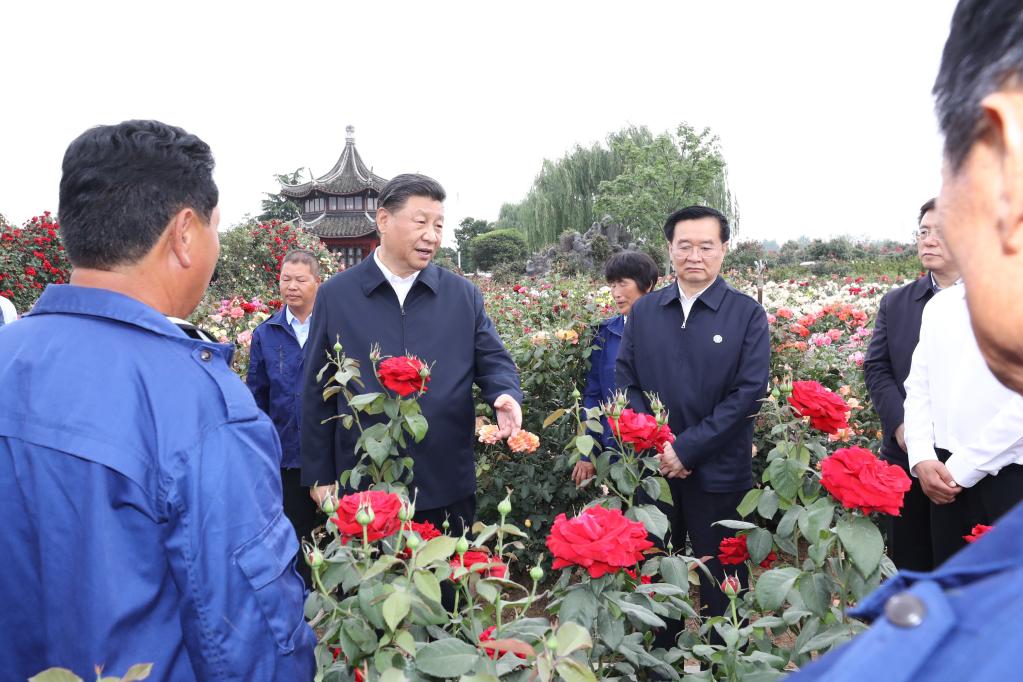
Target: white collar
[(390, 276), (683, 296), (290, 317)]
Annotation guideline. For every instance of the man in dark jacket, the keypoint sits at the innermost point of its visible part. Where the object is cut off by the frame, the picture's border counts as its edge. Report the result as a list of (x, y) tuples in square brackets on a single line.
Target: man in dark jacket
[(704, 349), (275, 379), (896, 332), (397, 298)]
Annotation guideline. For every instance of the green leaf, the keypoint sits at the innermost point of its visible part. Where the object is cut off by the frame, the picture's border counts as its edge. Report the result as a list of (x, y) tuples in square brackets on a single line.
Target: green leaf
[(572, 637), (487, 591), (363, 399), (675, 572), (863, 542), (736, 525), (554, 416), (815, 589), (55, 675), (767, 506), (428, 585), (392, 675), (774, 586), (417, 425), (579, 605), (330, 391), (651, 517), (584, 444), (572, 670), (479, 677), (652, 486), (139, 671), (759, 542), (438, 548), (446, 658), (786, 477), (404, 640), (396, 607), (816, 518), (380, 565), (827, 639), (640, 613), (749, 502)]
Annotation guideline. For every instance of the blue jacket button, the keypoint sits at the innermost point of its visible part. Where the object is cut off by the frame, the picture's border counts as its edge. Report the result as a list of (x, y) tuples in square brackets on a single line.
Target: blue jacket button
[(905, 610), (205, 355)]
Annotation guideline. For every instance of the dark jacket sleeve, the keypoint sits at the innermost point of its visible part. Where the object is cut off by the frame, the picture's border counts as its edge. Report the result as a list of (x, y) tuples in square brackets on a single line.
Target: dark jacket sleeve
[(882, 386), (496, 373), (626, 378), (257, 379), (698, 443), (592, 396), (317, 439)]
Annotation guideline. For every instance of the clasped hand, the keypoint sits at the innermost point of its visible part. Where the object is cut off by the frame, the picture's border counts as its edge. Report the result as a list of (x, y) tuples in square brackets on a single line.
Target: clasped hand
[(671, 465)]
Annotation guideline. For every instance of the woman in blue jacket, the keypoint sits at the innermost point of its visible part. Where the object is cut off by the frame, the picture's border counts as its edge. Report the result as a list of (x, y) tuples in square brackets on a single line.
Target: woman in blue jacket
[(630, 274)]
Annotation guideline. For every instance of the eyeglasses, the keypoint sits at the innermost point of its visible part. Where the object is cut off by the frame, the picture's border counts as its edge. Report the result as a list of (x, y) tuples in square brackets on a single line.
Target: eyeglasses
[(704, 250), (925, 233)]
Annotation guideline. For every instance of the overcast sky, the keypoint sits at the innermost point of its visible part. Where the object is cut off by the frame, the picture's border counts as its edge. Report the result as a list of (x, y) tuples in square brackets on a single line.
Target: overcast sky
[(823, 108)]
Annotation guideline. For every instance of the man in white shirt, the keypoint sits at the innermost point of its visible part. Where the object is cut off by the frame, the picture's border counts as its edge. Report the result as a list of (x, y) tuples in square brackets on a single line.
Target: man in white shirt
[(964, 429)]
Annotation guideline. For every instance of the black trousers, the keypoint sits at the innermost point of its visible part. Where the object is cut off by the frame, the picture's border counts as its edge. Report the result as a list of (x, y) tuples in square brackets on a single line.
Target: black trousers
[(691, 514), (909, 535), (984, 503), (460, 515), (303, 513)]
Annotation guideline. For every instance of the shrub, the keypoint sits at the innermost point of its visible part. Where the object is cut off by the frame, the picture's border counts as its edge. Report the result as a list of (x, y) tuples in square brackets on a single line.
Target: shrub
[(499, 246), (31, 256)]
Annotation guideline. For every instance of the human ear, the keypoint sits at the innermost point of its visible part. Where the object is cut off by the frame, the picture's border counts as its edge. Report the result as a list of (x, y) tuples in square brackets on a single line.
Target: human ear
[(182, 236), (1003, 111)]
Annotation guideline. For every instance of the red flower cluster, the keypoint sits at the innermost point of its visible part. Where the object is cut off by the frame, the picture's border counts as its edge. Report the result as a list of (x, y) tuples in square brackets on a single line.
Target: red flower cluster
[(859, 480), (641, 430), (480, 562), (977, 531), (600, 540), (385, 521), (734, 551), (31, 257), (404, 375), (826, 410)]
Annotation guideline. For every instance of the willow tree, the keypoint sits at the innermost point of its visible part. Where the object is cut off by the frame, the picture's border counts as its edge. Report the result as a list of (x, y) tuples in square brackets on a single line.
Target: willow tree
[(563, 193), (664, 174)]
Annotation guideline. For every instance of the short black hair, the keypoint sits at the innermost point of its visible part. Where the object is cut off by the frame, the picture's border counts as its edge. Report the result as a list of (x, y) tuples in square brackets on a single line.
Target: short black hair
[(398, 189), (634, 265), (695, 213), (122, 184), (984, 50), (303, 256), (928, 206)]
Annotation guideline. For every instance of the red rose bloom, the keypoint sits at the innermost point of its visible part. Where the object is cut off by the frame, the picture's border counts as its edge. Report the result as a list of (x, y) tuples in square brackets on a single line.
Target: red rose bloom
[(826, 410), (859, 480), (735, 551), (404, 375), (488, 636), (426, 530), (978, 530), (641, 430), (385, 515), (481, 562), (600, 540)]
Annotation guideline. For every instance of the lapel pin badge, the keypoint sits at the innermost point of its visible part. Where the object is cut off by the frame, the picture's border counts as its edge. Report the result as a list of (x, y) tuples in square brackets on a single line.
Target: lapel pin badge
[(717, 338)]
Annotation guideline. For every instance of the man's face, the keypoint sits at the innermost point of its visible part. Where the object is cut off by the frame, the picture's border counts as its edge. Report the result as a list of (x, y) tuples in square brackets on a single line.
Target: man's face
[(930, 243), (696, 251), (298, 286), (411, 235)]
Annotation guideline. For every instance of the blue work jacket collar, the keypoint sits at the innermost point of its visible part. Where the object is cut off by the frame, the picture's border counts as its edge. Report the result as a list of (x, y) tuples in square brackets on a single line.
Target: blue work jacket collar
[(711, 297), (70, 299), (280, 319), (616, 325), (371, 277)]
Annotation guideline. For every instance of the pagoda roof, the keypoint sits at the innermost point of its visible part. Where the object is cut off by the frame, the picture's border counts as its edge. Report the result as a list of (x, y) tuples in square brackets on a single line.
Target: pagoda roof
[(340, 225), (350, 175)]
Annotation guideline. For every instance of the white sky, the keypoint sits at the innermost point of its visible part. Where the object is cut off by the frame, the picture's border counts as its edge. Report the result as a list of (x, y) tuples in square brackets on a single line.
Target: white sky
[(823, 108)]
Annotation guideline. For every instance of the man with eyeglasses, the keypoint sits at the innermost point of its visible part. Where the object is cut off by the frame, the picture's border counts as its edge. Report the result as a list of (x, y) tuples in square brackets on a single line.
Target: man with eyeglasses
[(896, 332), (704, 348)]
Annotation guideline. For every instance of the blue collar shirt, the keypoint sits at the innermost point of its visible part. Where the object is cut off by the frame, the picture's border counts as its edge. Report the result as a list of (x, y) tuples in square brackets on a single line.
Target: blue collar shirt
[(301, 328)]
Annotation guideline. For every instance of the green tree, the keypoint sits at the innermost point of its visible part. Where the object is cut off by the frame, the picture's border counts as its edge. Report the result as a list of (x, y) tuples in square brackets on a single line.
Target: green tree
[(495, 247), (665, 174), (277, 206), (466, 231)]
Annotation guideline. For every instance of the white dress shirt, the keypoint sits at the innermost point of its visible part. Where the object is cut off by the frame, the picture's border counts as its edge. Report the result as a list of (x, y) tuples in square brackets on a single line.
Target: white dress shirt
[(7, 311), (687, 303), (401, 285), (301, 328), (954, 402)]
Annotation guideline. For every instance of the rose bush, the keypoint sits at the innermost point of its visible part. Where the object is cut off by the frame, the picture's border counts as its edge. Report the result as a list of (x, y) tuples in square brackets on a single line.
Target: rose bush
[(600, 540), (859, 480)]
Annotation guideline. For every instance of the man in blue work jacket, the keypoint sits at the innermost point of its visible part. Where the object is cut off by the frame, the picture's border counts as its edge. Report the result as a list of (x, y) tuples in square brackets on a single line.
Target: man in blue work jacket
[(275, 379), (961, 621), (400, 300), (140, 496), (704, 349)]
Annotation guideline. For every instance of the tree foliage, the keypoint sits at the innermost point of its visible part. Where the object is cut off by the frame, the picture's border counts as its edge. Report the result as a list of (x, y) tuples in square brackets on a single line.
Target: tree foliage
[(466, 231), (664, 174), (498, 246), (277, 206)]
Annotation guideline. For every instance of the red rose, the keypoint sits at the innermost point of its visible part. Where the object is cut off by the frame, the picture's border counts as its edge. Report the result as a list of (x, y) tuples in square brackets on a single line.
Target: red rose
[(641, 430), (826, 410), (600, 540), (488, 636), (735, 551), (481, 562), (978, 530), (426, 530), (859, 480), (385, 521), (731, 585), (404, 375), (29, 270)]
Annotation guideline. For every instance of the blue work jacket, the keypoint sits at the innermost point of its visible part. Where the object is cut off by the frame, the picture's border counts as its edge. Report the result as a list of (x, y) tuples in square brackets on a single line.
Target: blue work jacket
[(443, 323), (600, 381), (140, 501), (959, 622), (711, 372), (275, 379)]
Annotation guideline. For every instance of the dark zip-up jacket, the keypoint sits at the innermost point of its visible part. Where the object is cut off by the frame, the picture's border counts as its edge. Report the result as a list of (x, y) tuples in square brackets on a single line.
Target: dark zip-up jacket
[(444, 324), (711, 371), (275, 379)]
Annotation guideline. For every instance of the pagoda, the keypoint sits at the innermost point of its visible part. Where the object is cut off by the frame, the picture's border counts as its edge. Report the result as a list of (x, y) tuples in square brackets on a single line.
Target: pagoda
[(340, 206)]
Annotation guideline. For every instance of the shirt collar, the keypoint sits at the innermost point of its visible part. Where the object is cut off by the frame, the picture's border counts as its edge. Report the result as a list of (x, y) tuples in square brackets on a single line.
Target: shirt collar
[(292, 320), (76, 300), (711, 296), (390, 276), (371, 273)]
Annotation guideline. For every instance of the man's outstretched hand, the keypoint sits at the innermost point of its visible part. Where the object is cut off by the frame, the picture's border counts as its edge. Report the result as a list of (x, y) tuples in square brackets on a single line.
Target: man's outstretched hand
[(509, 416)]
